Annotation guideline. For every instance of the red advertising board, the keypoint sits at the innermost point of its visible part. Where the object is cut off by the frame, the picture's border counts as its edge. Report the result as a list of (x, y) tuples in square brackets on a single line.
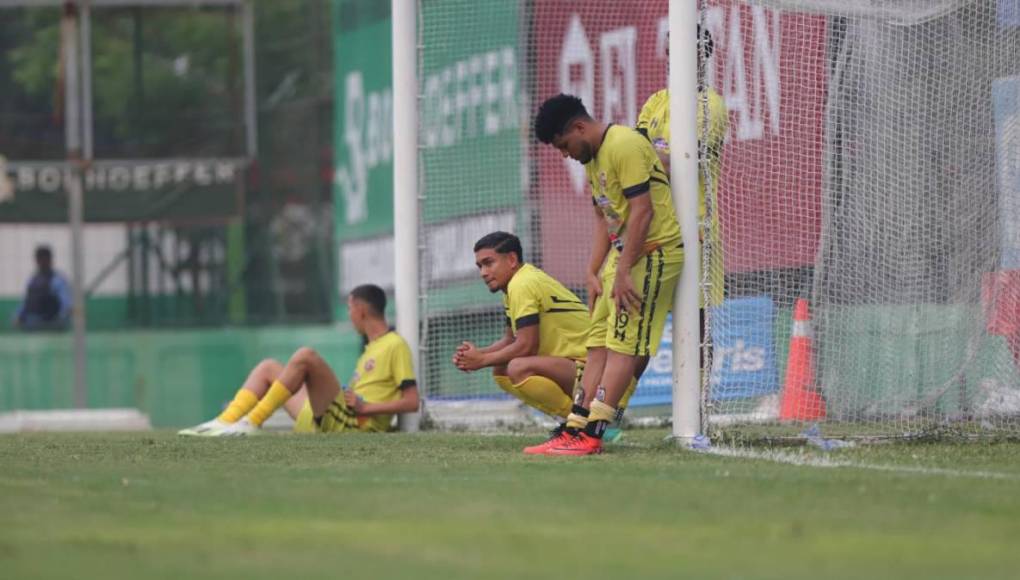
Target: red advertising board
[(770, 68)]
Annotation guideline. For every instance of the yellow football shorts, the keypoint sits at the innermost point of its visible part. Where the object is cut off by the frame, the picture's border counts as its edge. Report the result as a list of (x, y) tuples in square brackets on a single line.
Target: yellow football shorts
[(639, 332), (337, 418)]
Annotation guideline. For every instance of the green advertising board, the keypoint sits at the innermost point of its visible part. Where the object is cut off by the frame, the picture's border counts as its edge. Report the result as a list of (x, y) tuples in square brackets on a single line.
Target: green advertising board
[(138, 190), (363, 126), (469, 130), (470, 108)]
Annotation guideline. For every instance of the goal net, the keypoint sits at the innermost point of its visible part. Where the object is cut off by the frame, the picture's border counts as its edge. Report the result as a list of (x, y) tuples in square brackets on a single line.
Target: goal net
[(861, 224)]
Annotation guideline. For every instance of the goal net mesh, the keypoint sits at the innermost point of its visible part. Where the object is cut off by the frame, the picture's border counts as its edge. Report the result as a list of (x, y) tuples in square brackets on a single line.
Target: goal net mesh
[(861, 224)]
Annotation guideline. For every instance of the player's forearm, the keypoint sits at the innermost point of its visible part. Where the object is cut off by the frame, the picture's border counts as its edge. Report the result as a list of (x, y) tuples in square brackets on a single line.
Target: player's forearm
[(599, 249), (503, 356), (634, 239), (664, 158), (498, 345), (401, 405)]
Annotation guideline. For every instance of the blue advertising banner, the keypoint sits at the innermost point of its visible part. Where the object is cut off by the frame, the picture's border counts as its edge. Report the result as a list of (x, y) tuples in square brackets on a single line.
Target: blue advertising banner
[(744, 362), (744, 359), (1009, 13)]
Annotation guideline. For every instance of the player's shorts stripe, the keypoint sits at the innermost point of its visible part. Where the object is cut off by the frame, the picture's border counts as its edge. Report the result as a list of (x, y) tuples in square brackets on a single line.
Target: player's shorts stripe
[(636, 190), (552, 310), (655, 299), (644, 303)]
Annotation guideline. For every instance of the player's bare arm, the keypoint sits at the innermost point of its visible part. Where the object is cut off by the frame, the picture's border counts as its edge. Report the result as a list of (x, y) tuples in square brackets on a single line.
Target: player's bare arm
[(638, 222), (468, 346), (664, 159), (525, 343), (408, 402), (599, 249)]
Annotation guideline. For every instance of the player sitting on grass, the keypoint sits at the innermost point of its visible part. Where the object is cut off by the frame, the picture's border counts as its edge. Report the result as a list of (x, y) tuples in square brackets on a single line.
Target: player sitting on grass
[(540, 357), (636, 258), (383, 383)]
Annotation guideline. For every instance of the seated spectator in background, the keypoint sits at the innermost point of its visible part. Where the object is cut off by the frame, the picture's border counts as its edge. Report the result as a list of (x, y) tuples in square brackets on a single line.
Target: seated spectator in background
[(47, 303)]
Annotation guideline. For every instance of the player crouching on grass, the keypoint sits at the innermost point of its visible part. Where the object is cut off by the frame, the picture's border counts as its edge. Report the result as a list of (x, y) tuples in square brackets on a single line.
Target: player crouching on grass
[(540, 357), (636, 257), (383, 383)]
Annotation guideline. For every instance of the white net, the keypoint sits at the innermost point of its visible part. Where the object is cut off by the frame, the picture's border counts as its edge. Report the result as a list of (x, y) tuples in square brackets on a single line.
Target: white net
[(869, 182)]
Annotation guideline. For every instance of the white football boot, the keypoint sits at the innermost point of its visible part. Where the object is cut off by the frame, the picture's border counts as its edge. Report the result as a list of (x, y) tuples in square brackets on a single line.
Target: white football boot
[(206, 429), (242, 428)]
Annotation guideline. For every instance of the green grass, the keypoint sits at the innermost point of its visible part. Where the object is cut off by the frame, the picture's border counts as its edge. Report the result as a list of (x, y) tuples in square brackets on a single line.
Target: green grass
[(464, 506)]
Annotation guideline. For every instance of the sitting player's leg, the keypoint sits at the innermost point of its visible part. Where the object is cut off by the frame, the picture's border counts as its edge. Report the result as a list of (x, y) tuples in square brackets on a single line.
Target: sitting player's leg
[(301, 411), (251, 391), (305, 368), (544, 382)]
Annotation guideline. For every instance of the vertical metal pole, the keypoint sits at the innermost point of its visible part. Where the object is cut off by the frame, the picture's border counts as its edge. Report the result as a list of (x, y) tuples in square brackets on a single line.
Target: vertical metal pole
[(683, 103), (86, 80), (405, 180), (72, 134), (250, 121)]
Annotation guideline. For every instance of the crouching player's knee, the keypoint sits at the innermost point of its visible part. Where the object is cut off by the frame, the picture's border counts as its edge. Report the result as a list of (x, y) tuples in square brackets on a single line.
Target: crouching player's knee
[(535, 390)]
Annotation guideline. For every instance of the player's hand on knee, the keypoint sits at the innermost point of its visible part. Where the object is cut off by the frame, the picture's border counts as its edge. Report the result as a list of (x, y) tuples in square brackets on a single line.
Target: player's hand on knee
[(624, 295)]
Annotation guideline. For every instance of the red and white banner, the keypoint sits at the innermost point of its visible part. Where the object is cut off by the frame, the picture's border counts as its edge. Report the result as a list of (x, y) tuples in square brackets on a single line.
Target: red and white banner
[(770, 68)]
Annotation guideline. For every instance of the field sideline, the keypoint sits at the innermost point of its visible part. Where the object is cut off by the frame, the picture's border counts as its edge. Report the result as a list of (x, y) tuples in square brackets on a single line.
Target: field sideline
[(467, 506)]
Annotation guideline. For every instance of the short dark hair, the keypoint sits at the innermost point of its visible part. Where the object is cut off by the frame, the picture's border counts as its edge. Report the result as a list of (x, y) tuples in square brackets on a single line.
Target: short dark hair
[(502, 243), (373, 296), (43, 252), (555, 114)]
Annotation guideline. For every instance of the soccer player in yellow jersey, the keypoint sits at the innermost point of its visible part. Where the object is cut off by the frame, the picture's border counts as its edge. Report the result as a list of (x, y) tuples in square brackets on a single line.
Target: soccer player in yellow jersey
[(636, 258), (541, 355), (383, 383), (653, 123)]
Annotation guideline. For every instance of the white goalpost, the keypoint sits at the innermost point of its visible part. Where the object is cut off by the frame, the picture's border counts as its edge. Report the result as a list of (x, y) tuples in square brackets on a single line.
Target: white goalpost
[(405, 180), (683, 102)]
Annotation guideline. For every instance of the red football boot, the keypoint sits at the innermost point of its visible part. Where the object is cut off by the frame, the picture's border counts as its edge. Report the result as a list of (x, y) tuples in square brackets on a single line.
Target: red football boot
[(580, 444), (556, 436)]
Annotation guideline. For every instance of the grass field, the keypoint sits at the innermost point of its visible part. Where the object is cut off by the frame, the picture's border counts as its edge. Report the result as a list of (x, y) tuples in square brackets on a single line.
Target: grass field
[(436, 505)]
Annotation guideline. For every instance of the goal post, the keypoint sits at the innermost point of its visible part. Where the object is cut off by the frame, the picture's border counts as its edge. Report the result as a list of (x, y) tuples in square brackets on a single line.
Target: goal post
[(683, 103)]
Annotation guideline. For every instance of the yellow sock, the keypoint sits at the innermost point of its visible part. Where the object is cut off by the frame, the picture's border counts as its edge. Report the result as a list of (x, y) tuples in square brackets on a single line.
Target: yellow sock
[(544, 394), (243, 402), (601, 411), (274, 399), (575, 421), (627, 394), (506, 384)]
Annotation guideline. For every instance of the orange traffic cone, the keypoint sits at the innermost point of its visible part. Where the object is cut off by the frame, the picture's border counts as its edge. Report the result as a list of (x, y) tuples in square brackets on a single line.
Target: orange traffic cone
[(801, 402)]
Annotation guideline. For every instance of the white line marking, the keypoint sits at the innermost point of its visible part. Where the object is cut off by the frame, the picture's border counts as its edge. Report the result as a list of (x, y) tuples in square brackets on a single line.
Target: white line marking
[(814, 461)]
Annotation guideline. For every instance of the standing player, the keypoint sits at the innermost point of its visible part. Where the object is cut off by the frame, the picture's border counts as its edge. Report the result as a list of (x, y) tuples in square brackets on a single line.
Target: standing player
[(653, 123), (383, 383), (541, 355), (638, 249)]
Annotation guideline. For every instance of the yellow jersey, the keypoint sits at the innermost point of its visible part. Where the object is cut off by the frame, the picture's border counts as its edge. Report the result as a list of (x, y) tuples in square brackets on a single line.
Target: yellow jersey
[(626, 166), (653, 122), (534, 297), (383, 370)]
